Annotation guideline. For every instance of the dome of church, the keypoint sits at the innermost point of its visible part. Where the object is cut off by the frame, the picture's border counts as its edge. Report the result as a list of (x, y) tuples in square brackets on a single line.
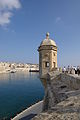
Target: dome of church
[(47, 41)]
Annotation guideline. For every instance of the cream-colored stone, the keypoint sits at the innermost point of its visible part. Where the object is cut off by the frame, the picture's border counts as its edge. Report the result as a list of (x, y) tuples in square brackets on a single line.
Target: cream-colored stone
[(47, 56)]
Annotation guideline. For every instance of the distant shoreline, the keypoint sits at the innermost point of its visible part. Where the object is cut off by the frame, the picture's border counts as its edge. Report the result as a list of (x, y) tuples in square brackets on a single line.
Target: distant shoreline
[(15, 67)]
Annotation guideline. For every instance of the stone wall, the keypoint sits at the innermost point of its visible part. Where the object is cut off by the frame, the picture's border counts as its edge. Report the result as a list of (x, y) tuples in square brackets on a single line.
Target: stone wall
[(72, 81), (57, 88), (62, 97)]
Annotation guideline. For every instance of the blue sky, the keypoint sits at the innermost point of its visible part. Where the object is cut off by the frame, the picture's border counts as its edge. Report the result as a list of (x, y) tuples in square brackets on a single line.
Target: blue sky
[(24, 23)]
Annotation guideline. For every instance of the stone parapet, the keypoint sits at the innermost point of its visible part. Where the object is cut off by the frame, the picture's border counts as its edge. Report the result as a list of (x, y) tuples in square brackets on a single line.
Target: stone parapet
[(62, 97)]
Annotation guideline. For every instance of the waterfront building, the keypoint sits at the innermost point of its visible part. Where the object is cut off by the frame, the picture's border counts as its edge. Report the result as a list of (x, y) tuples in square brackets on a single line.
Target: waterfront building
[(47, 56)]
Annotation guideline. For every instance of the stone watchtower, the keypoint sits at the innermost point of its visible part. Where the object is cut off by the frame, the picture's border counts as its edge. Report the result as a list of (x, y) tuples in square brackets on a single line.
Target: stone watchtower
[(47, 56)]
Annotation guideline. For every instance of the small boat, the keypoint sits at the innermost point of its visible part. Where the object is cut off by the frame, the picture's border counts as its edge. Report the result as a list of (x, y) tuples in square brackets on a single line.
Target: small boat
[(12, 71)]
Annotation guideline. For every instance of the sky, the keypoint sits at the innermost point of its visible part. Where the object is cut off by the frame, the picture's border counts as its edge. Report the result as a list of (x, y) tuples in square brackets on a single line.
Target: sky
[(24, 23)]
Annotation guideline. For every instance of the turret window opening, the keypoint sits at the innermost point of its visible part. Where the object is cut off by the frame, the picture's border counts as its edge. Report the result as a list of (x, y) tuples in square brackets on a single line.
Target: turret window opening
[(46, 64), (54, 64)]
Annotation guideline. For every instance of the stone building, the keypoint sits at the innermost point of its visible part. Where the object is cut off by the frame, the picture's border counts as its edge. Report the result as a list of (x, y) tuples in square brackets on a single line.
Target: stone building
[(47, 56)]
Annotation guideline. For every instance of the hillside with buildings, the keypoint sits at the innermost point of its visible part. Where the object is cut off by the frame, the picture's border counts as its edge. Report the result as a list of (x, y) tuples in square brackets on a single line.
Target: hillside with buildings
[(7, 67)]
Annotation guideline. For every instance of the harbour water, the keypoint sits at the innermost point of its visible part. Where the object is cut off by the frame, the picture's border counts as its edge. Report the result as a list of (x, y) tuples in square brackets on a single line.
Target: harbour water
[(18, 91)]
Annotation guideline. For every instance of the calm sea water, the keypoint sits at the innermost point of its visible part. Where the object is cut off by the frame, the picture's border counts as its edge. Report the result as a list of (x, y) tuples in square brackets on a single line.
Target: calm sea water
[(18, 91)]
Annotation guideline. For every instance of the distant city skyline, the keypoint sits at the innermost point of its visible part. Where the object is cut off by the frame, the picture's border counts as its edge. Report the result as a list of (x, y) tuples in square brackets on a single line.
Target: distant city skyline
[(24, 23)]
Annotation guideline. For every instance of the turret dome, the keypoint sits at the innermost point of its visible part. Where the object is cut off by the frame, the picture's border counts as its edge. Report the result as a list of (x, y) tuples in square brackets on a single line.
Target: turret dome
[(48, 41)]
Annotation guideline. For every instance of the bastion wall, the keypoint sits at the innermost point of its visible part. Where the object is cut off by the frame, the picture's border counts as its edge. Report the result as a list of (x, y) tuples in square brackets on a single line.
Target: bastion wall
[(59, 86), (62, 97)]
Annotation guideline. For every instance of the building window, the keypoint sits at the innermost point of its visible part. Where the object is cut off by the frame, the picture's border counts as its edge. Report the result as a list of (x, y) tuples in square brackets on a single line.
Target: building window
[(46, 64)]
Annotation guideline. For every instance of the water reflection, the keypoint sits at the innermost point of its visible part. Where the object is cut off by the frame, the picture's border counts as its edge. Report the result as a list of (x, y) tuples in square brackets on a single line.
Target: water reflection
[(7, 77), (18, 91)]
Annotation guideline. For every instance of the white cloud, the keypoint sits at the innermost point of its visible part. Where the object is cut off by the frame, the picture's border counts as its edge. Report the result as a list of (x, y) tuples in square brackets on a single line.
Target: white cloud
[(58, 19), (6, 7), (5, 18)]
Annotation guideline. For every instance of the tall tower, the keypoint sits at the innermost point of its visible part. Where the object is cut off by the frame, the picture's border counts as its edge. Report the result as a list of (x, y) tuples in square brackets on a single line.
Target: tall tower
[(47, 56)]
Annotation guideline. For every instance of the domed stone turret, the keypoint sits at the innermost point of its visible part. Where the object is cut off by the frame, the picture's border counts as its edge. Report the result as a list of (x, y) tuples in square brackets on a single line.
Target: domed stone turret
[(48, 41), (47, 56)]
